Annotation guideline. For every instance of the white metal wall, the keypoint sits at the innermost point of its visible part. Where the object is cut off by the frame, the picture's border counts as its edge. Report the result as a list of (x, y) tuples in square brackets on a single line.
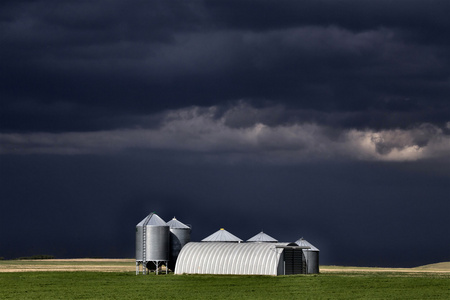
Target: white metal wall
[(229, 258)]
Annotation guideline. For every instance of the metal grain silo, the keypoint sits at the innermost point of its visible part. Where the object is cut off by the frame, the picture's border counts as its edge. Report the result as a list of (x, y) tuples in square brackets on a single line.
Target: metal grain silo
[(311, 256), (180, 235), (262, 238), (152, 242), (222, 236)]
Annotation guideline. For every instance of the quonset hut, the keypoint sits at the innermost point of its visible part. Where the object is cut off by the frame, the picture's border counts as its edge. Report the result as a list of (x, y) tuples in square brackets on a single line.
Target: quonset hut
[(241, 259), (223, 253)]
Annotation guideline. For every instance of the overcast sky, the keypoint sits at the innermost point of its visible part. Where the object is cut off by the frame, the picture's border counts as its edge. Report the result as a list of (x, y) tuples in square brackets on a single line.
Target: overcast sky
[(328, 120)]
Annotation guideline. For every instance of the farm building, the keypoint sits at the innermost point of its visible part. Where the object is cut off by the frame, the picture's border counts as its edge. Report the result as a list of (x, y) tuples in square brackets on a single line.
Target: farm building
[(241, 259), (159, 243)]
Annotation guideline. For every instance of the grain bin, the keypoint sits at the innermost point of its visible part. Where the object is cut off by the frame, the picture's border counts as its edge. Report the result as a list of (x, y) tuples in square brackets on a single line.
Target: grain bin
[(152, 242), (262, 238), (222, 236), (180, 235), (311, 256)]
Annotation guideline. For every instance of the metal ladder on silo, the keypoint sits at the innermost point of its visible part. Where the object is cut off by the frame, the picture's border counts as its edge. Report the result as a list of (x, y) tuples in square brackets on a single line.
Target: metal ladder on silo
[(144, 249)]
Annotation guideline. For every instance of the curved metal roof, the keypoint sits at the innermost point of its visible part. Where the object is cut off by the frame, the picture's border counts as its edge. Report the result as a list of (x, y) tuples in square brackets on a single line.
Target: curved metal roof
[(152, 220), (262, 238), (229, 258), (174, 223), (303, 242), (221, 236)]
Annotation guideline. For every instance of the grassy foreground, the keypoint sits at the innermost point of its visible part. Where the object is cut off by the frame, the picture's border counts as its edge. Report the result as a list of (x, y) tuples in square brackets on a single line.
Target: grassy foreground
[(126, 285)]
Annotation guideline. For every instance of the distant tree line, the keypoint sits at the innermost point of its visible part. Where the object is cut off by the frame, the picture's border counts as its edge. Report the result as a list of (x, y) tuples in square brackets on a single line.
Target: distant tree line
[(36, 257)]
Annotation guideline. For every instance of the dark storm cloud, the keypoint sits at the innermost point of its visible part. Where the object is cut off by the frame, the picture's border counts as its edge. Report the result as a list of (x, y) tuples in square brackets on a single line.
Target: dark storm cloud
[(354, 213), (327, 119), (79, 52), (351, 14), (370, 59), (239, 134)]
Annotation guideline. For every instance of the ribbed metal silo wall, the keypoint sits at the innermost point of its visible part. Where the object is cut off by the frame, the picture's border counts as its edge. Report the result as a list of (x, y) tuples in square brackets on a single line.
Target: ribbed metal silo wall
[(178, 238), (139, 243), (157, 243), (312, 259)]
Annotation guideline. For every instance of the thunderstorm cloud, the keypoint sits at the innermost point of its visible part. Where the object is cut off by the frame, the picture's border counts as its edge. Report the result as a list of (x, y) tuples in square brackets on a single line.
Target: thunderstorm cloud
[(324, 119)]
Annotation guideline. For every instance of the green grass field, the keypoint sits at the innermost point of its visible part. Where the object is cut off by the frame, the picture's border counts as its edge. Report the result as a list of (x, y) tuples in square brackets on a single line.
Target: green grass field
[(126, 285), (344, 284)]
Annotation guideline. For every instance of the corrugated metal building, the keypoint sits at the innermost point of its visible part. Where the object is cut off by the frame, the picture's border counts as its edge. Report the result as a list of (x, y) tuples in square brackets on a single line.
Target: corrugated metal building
[(241, 259), (159, 243)]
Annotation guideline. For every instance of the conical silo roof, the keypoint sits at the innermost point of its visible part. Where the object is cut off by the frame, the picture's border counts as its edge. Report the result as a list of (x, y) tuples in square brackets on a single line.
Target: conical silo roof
[(222, 236), (174, 223), (262, 238), (152, 220), (303, 242)]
